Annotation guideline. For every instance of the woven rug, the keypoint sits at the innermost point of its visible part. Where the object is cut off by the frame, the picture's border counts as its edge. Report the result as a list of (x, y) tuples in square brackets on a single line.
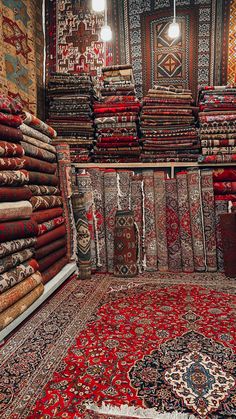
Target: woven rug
[(159, 341)]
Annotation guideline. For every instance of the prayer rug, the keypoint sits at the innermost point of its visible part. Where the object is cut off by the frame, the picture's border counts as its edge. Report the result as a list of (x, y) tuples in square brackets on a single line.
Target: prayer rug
[(208, 207), (185, 222), (221, 207), (150, 243), (125, 245), (161, 222), (97, 181), (168, 340), (228, 235), (110, 207), (196, 216), (137, 205), (172, 226), (83, 235)]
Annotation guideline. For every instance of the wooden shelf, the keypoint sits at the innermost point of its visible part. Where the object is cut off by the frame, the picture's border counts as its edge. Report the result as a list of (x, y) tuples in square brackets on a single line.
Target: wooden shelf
[(49, 288), (148, 165)]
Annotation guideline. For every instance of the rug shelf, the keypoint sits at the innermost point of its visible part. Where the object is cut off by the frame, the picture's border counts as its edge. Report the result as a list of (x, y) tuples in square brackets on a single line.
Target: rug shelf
[(147, 165), (49, 288)]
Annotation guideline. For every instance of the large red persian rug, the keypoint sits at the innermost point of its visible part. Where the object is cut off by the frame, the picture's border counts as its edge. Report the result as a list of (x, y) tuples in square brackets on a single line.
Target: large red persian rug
[(157, 346)]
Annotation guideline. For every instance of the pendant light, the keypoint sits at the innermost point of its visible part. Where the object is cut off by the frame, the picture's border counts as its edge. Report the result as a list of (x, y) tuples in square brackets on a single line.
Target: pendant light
[(98, 5), (106, 32), (174, 29)]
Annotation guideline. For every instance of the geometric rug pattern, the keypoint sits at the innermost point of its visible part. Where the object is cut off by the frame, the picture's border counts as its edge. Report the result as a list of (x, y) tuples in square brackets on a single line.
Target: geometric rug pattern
[(159, 341)]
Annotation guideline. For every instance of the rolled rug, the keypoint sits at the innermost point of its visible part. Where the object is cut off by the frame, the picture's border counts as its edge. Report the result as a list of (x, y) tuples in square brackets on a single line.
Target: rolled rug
[(11, 149), (11, 194), (39, 153), (9, 247), (10, 105), (14, 177), (13, 230), (15, 259), (38, 125), (53, 270), (14, 294), (50, 225), (31, 132), (18, 274), (39, 144), (46, 215), (11, 120), (15, 210), (50, 236), (36, 165), (49, 248), (47, 261), (39, 178), (10, 134), (45, 202), (125, 245), (7, 316)]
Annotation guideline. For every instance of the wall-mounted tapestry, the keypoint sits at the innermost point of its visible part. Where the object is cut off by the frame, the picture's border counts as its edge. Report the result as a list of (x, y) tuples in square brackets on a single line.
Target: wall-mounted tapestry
[(21, 51)]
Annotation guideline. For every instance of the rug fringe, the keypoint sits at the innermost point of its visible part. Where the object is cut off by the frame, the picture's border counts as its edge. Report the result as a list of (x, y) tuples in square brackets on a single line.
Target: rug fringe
[(136, 412)]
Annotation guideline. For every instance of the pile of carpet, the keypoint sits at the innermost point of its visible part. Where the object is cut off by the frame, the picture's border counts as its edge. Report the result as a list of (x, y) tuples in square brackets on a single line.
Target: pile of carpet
[(225, 201), (70, 102), (174, 221), (217, 118), (116, 117), (20, 279), (168, 126), (46, 200)]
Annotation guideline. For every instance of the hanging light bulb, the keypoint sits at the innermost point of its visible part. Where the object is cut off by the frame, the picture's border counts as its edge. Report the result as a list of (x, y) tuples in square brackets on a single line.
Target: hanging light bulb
[(174, 29), (98, 5), (106, 33)]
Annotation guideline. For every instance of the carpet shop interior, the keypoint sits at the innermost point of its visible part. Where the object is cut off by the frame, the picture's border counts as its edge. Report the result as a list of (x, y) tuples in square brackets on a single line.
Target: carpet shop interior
[(118, 209)]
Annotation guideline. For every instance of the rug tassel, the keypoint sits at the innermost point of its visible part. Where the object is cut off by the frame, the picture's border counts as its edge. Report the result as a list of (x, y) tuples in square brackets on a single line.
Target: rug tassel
[(136, 412)]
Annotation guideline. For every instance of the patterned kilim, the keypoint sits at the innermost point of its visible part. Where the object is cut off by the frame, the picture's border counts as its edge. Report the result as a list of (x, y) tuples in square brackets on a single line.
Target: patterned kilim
[(99, 225), (150, 242), (21, 45), (163, 341), (141, 38), (83, 236), (208, 207), (196, 217), (221, 207), (137, 202), (125, 246), (73, 43), (185, 223), (231, 74), (110, 207), (172, 226), (160, 214)]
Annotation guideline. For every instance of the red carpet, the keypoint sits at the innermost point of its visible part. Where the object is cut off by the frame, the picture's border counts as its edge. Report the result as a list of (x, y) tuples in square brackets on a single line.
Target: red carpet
[(161, 342), (169, 348)]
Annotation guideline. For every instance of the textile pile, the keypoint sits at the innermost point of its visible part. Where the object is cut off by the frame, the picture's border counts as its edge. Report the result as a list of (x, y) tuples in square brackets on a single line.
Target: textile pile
[(46, 200), (71, 99), (20, 279), (116, 117), (217, 118), (168, 126), (174, 219), (225, 200)]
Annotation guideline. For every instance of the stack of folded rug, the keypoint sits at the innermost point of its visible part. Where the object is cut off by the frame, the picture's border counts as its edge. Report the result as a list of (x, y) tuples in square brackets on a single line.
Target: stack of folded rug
[(116, 117), (168, 126), (46, 197), (217, 124), (71, 99), (20, 280), (224, 181)]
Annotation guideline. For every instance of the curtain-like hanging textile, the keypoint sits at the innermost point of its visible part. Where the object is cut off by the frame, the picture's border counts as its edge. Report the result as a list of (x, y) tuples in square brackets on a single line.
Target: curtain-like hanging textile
[(21, 51)]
